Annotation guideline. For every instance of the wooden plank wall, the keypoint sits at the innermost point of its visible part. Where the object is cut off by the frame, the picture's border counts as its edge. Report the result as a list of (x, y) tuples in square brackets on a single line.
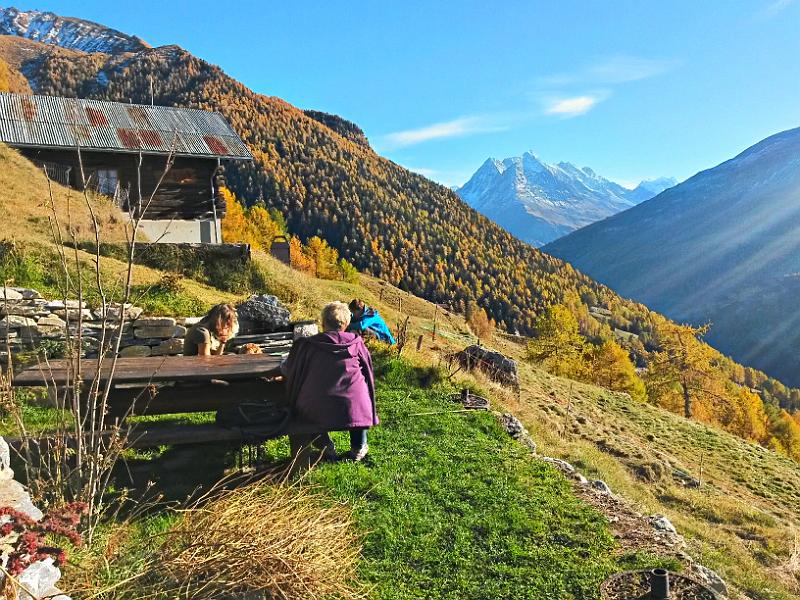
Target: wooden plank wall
[(185, 193)]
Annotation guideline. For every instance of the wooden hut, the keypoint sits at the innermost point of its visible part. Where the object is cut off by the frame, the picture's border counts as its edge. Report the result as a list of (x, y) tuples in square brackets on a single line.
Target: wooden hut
[(121, 150)]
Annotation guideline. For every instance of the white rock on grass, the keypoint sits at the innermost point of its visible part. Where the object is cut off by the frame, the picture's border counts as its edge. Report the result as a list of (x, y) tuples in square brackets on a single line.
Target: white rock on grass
[(711, 579), (601, 486), (558, 463), (662, 523)]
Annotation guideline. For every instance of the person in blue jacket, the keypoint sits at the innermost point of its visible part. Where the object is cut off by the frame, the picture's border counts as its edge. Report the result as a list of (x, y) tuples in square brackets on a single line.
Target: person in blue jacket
[(367, 320)]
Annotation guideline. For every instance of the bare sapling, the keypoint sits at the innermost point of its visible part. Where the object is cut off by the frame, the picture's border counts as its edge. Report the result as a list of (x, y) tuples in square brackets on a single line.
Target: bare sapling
[(75, 461)]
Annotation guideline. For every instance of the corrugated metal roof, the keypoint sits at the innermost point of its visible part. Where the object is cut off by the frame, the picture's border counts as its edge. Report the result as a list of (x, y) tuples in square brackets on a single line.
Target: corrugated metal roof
[(54, 122)]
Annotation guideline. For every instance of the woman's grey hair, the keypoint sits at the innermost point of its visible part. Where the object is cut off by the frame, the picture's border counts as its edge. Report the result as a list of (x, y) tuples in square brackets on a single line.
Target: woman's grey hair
[(335, 317)]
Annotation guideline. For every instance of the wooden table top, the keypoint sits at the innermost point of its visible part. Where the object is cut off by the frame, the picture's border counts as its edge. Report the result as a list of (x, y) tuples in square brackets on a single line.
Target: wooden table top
[(155, 369)]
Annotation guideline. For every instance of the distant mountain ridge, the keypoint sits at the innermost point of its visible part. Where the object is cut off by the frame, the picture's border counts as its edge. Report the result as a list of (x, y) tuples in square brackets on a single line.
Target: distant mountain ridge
[(724, 247), (66, 32), (540, 202)]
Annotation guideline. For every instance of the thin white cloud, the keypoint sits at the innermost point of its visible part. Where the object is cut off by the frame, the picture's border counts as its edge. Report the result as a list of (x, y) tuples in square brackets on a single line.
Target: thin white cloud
[(460, 127), (571, 107), (613, 70), (425, 172), (777, 6)]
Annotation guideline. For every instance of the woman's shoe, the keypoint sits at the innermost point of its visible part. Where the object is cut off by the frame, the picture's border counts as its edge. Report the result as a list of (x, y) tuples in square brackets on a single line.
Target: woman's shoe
[(359, 454)]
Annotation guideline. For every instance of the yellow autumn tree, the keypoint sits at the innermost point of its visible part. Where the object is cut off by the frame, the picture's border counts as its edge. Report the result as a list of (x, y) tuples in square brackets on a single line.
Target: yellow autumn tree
[(610, 366), (235, 227), (558, 345), (262, 228), (479, 322), (299, 258)]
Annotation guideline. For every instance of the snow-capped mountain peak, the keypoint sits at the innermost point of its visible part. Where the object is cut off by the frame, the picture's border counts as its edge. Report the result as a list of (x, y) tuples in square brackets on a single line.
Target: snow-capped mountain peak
[(539, 202), (74, 34)]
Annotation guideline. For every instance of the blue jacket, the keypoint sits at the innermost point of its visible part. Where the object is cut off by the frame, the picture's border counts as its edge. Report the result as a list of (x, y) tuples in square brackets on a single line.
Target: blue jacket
[(371, 321)]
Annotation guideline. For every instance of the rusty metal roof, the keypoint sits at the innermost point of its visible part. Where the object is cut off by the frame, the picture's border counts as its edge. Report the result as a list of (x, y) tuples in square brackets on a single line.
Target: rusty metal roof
[(54, 122)]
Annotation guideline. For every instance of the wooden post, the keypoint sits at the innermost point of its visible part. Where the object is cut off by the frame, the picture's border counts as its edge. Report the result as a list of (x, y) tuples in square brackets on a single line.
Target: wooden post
[(381, 295), (435, 317), (400, 305), (419, 343)]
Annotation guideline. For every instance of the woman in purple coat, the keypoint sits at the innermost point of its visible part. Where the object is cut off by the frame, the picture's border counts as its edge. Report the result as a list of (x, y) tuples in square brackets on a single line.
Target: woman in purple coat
[(331, 384)]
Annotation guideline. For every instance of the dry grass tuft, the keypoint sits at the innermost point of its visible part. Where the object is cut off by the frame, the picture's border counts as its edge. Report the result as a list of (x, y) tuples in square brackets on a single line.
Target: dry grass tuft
[(279, 540)]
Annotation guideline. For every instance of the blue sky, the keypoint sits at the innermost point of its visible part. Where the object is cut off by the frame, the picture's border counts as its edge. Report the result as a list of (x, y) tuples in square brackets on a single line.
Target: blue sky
[(634, 89)]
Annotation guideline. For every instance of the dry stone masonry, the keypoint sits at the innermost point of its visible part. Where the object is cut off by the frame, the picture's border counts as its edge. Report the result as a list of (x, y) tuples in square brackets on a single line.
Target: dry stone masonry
[(29, 322)]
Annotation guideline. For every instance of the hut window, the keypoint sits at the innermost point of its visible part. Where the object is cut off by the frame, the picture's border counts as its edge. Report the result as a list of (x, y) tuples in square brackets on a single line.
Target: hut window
[(107, 182)]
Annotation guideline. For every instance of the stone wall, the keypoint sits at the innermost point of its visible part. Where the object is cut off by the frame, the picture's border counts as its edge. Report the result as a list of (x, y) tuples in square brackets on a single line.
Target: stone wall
[(29, 322)]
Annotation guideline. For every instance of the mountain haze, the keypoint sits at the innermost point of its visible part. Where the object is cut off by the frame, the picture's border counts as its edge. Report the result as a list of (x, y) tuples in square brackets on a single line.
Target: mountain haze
[(724, 247), (538, 202)]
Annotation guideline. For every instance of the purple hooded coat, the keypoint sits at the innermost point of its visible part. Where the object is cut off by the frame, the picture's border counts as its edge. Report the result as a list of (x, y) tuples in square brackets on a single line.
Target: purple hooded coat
[(330, 381)]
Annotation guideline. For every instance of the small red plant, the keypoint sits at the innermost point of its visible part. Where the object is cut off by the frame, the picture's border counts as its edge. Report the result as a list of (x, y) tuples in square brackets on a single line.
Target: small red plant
[(26, 537)]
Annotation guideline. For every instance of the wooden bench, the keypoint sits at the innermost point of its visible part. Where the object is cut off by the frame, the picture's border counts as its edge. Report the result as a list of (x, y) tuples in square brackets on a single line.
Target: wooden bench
[(175, 385)]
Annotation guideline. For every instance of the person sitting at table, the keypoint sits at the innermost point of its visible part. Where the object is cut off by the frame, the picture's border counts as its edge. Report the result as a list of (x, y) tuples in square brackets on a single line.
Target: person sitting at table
[(209, 336), (331, 385), (365, 319)]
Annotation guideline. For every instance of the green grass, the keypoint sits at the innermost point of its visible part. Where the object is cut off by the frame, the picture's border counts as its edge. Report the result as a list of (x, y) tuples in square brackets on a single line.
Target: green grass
[(453, 508)]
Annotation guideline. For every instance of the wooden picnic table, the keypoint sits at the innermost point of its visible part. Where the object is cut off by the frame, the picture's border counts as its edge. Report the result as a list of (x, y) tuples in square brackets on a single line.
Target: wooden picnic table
[(155, 369), (174, 385)]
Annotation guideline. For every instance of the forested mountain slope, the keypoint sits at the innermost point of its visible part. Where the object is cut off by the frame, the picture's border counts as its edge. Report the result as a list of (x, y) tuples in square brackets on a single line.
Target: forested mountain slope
[(723, 247)]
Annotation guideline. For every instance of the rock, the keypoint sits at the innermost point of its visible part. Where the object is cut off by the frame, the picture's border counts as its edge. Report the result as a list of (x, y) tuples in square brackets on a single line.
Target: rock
[(304, 329), (73, 314), (262, 313), (10, 294), (602, 487), (517, 430), (581, 479), (112, 312), (662, 523), (28, 293), (189, 321), (711, 579), (16, 321), (5, 461), (162, 332), (22, 310), (168, 347), (51, 324), (14, 494), (155, 322), (40, 580), (61, 305), (559, 464), (135, 351), (498, 367), (179, 331)]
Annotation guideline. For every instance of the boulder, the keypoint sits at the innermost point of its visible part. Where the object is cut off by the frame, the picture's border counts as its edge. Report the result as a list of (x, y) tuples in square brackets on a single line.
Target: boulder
[(262, 313), (6, 472), (112, 312), (179, 331), (304, 329), (73, 314), (497, 366), (28, 293), (14, 494), (662, 523), (16, 321), (711, 579), (10, 294), (61, 305)]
